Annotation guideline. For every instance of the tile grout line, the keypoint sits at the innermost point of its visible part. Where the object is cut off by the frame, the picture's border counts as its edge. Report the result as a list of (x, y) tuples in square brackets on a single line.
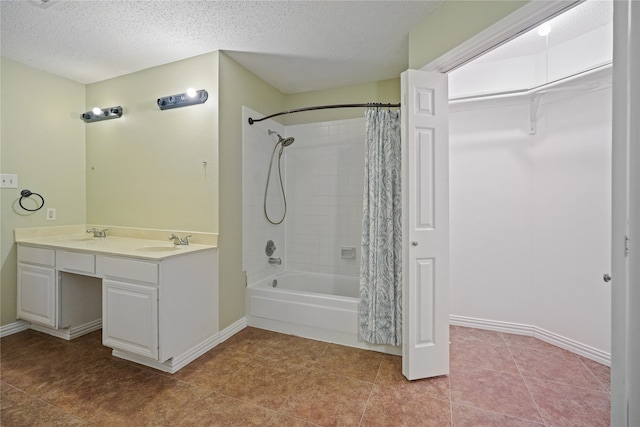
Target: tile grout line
[(49, 404), (571, 385), (544, 421), (466, 405), (366, 405), (595, 376), (293, 389), (373, 385), (450, 398)]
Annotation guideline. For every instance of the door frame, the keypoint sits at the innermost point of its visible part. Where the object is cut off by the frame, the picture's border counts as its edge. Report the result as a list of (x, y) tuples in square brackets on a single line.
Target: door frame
[(625, 257), (625, 350)]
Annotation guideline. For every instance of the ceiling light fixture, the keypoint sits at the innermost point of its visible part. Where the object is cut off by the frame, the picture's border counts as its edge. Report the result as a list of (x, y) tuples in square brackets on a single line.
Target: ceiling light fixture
[(544, 29), (98, 114), (191, 97)]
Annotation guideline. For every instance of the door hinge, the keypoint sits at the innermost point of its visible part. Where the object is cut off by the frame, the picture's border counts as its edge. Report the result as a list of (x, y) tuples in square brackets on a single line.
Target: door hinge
[(627, 246)]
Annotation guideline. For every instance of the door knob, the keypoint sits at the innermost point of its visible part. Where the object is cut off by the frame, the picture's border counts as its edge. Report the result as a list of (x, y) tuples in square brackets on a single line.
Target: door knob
[(606, 277), (414, 243)]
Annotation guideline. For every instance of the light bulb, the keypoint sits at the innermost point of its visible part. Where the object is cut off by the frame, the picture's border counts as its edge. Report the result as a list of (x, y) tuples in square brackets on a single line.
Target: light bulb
[(97, 111), (544, 29), (191, 92)]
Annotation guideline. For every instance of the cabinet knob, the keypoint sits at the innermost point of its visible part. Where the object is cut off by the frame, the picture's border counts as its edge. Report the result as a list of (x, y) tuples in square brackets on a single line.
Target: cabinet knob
[(606, 277), (414, 243)]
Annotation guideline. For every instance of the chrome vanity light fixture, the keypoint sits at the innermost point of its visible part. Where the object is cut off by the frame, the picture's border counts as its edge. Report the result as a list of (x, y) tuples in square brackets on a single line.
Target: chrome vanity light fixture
[(190, 97), (99, 114)]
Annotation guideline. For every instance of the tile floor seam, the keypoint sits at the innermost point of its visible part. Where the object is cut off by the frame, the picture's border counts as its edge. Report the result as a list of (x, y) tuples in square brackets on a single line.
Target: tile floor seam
[(366, 405), (466, 366), (379, 367), (71, 414), (604, 386), (68, 414), (544, 421), (293, 389), (450, 399), (501, 413), (531, 378), (327, 372)]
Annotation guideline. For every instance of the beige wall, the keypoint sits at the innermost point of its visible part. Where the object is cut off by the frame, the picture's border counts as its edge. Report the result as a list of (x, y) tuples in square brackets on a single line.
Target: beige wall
[(452, 23), (42, 140), (147, 169), (238, 87)]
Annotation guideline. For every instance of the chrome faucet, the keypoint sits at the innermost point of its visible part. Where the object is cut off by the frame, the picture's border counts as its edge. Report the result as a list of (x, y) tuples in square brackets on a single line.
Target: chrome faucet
[(96, 233), (180, 240), (276, 261)]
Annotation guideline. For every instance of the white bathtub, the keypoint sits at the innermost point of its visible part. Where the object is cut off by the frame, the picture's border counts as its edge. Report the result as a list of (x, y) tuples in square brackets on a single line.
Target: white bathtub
[(318, 306)]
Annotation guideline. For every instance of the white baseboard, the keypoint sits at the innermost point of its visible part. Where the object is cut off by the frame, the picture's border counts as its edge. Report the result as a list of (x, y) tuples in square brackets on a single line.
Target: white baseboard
[(13, 328), (171, 366), (232, 329), (197, 351), (69, 333), (533, 331), (176, 363)]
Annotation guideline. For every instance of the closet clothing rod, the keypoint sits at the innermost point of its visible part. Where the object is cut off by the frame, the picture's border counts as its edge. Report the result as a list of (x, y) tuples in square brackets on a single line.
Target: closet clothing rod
[(538, 89), (325, 107)]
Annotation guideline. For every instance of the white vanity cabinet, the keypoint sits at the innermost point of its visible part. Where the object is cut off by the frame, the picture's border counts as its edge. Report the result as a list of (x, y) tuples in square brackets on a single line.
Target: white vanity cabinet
[(37, 285), (130, 306), (156, 304), (159, 310)]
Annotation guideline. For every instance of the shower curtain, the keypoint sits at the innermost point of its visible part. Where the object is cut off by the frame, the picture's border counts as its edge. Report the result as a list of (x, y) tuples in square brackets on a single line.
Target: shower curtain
[(381, 263)]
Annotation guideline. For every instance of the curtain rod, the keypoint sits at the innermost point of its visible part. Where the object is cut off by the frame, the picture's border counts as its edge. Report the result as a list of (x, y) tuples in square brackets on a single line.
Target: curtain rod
[(325, 107)]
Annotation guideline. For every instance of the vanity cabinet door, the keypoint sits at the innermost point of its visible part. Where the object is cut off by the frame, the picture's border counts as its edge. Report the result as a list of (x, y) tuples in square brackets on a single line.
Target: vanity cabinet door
[(37, 294), (130, 317)]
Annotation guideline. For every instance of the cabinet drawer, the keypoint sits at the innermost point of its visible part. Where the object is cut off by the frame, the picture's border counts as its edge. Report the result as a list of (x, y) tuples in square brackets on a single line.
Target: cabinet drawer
[(76, 261), (36, 255), (128, 269)]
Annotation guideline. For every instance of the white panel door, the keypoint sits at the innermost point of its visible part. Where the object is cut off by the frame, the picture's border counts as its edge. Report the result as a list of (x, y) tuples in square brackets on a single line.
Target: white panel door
[(425, 254)]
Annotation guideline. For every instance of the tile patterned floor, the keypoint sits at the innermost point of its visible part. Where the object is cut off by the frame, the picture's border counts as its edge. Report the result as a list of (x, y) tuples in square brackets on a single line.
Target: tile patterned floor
[(262, 378)]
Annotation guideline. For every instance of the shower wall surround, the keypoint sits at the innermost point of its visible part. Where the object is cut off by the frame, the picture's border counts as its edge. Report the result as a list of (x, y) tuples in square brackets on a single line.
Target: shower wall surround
[(323, 177), (325, 172)]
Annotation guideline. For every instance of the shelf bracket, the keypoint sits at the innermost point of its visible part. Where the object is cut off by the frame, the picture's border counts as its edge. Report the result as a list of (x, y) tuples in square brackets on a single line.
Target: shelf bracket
[(534, 100)]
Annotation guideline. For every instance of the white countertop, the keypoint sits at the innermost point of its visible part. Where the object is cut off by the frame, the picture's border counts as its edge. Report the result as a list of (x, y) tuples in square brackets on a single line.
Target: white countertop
[(112, 245)]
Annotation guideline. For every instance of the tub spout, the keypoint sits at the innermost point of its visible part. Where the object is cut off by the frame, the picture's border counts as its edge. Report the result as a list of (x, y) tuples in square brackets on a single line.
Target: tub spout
[(276, 261)]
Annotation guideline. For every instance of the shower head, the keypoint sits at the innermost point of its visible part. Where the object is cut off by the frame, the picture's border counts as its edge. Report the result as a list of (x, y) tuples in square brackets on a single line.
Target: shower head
[(284, 141), (287, 141)]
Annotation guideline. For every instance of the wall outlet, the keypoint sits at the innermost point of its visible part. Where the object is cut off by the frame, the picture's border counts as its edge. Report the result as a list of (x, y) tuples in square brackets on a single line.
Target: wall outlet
[(8, 180), (51, 214)]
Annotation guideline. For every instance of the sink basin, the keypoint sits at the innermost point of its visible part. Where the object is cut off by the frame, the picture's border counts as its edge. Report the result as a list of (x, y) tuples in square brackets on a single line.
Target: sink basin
[(158, 248)]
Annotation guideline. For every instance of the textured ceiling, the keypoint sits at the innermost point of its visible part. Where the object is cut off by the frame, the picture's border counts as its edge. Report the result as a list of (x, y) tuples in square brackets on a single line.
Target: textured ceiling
[(296, 46)]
